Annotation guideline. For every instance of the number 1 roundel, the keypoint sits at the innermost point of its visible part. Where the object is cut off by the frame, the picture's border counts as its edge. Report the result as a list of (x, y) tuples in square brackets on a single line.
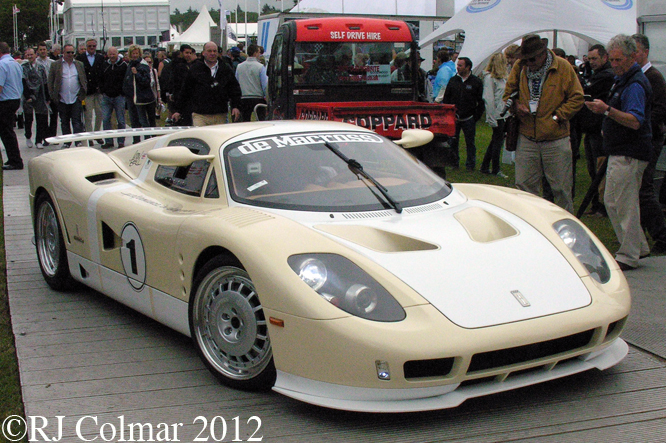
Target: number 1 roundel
[(132, 256)]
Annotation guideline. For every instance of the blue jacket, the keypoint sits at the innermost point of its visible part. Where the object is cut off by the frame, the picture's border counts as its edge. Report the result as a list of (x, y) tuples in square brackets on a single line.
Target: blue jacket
[(619, 139), (444, 74)]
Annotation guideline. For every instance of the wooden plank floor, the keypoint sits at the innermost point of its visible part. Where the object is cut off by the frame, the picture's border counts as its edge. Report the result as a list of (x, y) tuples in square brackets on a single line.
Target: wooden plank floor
[(86, 357)]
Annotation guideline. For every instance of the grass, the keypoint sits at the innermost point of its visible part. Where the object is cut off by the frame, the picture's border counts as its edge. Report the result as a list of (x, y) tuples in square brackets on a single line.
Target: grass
[(11, 402), (600, 226), (10, 389)]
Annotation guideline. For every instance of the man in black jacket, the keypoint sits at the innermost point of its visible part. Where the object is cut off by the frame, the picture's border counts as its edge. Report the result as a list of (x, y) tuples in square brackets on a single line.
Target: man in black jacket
[(465, 90), (179, 69), (92, 64), (597, 86), (208, 88), (652, 217), (111, 87)]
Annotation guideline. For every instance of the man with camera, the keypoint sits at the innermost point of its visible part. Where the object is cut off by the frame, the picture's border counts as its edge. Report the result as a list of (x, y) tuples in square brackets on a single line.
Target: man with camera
[(627, 136), (596, 86), (549, 95)]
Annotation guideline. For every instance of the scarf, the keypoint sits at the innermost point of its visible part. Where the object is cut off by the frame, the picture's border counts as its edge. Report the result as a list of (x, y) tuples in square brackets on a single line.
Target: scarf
[(535, 79)]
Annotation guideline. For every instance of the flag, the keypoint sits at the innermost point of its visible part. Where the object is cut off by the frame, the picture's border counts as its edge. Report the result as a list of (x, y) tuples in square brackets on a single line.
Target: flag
[(230, 34), (16, 10)]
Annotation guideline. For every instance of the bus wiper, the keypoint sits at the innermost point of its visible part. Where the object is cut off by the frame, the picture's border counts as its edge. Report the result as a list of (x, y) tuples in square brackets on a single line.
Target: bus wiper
[(357, 169)]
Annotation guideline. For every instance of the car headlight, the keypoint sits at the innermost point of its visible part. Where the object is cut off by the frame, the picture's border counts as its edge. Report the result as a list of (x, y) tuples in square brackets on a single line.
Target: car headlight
[(581, 244), (345, 285)]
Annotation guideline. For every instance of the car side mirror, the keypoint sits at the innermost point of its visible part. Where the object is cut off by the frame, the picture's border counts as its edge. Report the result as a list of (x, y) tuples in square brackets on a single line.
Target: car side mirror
[(176, 156), (411, 138)]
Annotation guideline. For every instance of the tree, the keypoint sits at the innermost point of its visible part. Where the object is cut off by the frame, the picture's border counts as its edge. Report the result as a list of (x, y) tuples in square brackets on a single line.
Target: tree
[(32, 22), (268, 9)]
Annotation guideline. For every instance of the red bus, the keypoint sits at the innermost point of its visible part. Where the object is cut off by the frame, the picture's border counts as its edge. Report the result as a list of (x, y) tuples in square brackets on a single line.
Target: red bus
[(358, 70)]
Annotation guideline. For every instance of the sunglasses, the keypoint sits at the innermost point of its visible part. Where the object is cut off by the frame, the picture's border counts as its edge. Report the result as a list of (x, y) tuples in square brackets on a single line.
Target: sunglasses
[(69, 52)]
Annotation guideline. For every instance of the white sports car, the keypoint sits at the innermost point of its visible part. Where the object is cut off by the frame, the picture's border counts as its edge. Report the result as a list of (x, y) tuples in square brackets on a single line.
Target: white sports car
[(323, 261)]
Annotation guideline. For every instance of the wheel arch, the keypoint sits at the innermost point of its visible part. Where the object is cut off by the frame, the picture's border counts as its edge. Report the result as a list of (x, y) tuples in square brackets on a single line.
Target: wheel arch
[(41, 190), (207, 255)]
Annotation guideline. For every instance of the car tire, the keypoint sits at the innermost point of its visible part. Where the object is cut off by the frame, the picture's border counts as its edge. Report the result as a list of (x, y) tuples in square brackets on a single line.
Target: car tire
[(229, 328), (50, 245)]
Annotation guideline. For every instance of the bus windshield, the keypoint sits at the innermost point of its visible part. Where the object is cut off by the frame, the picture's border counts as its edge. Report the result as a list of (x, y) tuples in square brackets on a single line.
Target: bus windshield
[(339, 63)]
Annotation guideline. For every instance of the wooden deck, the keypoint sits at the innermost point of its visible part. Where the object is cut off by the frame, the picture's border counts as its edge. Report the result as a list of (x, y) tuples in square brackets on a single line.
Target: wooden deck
[(86, 357)]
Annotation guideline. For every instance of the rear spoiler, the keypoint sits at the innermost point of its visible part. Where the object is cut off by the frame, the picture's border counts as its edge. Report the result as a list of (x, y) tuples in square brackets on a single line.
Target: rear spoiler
[(114, 133)]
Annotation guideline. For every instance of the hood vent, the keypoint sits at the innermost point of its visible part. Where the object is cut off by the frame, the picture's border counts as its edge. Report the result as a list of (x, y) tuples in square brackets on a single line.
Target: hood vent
[(377, 239), (382, 214), (484, 227), (366, 215), (242, 217), (422, 209)]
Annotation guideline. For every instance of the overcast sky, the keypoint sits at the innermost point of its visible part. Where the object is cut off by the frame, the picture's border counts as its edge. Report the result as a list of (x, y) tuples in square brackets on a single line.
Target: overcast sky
[(252, 5)]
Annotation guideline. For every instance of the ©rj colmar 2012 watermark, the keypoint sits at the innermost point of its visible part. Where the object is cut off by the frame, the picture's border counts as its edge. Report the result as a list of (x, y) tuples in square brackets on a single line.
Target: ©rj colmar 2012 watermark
[(91, 428)]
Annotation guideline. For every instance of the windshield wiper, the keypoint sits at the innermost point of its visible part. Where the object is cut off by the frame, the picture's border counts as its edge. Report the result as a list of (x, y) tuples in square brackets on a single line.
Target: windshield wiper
[(357, 169)]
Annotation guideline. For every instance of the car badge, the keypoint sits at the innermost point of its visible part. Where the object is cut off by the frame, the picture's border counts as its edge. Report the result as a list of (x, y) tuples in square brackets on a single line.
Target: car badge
[(521, 298)]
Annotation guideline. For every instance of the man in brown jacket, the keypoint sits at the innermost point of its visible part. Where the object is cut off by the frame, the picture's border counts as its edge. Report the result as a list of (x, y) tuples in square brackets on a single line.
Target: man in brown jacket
[(549, 95), (67, 85)]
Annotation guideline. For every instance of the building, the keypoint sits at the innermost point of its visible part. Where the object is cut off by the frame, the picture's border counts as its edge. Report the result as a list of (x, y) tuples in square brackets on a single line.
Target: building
[(117, 23)]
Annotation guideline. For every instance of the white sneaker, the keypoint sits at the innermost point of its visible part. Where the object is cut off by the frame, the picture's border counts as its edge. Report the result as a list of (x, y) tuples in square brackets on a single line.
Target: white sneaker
[(39, 146), (29, 143)]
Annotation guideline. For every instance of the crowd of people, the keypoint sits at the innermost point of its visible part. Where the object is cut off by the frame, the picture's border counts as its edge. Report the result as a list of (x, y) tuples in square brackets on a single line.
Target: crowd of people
[(87, 89), (616, 102), (613, 102)]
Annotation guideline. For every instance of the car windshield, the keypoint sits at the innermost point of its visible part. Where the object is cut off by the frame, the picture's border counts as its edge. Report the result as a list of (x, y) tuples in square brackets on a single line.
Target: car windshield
[(327, 64), (302, 172)]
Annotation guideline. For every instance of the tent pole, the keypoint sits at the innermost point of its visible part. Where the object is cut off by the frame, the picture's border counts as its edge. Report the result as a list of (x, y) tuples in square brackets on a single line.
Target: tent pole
[(554, 38)]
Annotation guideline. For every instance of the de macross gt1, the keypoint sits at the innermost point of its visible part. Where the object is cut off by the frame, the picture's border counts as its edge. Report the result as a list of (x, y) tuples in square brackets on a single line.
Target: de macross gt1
[(323, 261)]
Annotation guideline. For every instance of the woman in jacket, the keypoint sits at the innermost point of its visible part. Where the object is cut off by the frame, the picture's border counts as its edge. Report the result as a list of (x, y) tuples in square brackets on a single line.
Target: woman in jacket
[(137, 91), (494, 82), (155, 86)]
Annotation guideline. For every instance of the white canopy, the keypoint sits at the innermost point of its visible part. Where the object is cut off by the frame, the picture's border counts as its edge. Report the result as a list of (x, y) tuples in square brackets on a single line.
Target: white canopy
[(491, 25), (198, 34), (369, 7)]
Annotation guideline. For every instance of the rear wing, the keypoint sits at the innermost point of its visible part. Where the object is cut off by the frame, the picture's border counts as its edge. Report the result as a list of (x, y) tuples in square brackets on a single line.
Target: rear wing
[(114, 133)]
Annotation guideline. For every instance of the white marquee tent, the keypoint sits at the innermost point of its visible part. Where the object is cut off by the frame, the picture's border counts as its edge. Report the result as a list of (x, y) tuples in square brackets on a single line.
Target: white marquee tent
[(491, 25), (198, 34)]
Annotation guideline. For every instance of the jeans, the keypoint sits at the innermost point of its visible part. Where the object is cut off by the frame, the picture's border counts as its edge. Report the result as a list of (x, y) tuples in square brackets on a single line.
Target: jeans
[(140, 116), (8, 110), (42, 124), (652, 217), (53, 119), (70, 117), (469, 130), (110, 104), (492, 156)]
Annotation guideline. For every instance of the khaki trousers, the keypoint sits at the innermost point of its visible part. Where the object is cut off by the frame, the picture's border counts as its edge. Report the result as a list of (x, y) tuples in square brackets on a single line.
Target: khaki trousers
[(93, 104), (551, 159), (208, 119), (623, 181)]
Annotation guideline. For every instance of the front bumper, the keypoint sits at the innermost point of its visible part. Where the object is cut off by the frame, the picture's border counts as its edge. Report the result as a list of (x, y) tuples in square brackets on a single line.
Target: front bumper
[(438, 397)]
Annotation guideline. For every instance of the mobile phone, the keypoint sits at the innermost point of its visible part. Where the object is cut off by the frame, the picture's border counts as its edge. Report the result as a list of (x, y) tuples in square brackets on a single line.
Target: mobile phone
[(588, 98)]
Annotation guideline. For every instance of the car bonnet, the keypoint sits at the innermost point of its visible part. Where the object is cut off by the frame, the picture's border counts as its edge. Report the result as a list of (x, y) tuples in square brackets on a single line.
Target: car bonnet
[(475, 279)]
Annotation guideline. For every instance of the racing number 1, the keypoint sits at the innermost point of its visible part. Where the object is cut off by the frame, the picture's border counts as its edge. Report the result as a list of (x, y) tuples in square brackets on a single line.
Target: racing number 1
[(132, 256), (131, 245)]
